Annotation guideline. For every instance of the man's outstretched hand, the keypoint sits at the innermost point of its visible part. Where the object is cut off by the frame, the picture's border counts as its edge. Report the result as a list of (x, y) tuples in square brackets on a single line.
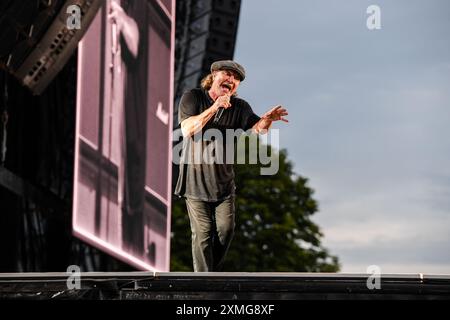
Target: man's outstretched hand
[(275, 114)]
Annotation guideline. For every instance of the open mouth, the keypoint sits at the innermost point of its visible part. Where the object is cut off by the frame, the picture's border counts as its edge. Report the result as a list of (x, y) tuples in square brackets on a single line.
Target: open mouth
[(227, 85)]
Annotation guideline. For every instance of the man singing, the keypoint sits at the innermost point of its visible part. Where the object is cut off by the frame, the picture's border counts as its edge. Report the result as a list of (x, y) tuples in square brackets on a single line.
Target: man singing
[(209, 188)]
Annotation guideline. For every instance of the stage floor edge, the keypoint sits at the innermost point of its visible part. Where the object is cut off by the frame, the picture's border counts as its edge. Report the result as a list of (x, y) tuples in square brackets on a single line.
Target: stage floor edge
[(223, 286)]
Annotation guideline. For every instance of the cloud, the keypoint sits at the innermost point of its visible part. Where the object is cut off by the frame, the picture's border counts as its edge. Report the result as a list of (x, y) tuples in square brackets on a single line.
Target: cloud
[(404, 223)]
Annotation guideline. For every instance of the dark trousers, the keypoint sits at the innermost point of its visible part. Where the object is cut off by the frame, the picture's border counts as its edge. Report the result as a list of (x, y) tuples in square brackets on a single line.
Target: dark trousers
[(212, 226)]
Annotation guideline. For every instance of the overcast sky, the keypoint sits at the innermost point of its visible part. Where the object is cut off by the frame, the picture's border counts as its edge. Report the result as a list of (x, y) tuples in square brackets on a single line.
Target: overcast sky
[(369, 120)]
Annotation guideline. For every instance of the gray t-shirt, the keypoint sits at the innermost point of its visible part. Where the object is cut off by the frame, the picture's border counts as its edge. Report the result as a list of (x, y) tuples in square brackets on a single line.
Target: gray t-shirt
[(201, 178)]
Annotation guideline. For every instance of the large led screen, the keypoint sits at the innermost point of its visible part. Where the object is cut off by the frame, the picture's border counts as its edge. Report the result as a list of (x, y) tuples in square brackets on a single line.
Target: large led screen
[(122, 187)]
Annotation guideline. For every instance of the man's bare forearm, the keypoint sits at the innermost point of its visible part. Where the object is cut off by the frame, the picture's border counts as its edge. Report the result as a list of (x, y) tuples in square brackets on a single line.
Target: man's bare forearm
[(262, 126), (130, 32), (194, 124)]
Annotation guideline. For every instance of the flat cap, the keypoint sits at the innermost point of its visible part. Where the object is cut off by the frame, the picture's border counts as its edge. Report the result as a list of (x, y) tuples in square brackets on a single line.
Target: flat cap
[(229, 65)]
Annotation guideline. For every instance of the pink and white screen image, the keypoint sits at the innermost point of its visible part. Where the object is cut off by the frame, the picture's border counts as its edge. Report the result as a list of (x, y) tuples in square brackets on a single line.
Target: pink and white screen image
[(122, 187)]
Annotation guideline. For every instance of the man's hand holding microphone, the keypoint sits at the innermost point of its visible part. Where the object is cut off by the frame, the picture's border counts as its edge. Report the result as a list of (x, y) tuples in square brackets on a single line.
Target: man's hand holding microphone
[(221, 103)]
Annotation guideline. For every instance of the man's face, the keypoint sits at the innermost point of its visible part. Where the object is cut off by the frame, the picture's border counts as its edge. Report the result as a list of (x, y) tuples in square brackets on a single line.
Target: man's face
[(225, 82)]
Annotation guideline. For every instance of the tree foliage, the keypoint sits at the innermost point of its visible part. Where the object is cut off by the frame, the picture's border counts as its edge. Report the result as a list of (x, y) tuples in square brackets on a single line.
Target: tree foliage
[(274, 230)]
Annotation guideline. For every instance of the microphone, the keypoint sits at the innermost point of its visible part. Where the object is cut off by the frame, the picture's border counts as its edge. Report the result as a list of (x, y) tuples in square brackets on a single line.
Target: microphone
[(218, 115), (219, 112)]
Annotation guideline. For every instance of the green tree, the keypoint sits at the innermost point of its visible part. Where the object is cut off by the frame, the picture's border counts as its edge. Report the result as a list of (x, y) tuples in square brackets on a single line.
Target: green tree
[(274, 231)]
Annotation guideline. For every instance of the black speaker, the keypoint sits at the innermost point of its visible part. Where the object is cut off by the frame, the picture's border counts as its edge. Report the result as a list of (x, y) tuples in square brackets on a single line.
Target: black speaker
[(206, 31), (38, 37)]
